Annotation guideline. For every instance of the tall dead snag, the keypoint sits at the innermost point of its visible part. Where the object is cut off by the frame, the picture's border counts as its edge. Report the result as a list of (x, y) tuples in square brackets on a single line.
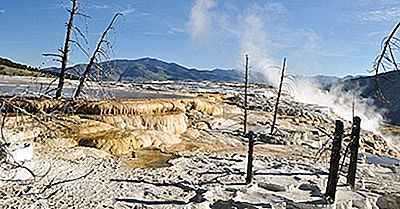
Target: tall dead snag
[(279, 95), (250, 158), (65, 50), (334, 162), (353, 105), (354, 144), (246, 81), (386, 61), (92, 61)]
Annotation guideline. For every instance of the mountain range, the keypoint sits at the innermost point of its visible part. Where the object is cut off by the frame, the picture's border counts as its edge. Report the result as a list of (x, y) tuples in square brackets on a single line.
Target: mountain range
[(150, 69)]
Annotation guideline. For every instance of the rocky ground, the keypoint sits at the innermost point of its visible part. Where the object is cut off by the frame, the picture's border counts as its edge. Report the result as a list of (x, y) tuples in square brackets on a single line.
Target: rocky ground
[(206, 164), (198, 180)]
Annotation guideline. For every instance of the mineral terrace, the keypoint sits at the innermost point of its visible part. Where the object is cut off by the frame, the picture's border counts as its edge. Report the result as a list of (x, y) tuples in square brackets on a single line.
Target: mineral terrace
[(186, 152)]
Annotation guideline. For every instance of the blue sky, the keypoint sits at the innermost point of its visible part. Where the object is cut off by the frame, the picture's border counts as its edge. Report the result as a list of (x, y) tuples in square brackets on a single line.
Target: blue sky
[(317, 36)]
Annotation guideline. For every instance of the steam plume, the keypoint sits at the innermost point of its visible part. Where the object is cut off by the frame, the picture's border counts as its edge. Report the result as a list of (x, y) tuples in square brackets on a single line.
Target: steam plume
[(251, 31), (254, 42), (340, 102), (201, 20)]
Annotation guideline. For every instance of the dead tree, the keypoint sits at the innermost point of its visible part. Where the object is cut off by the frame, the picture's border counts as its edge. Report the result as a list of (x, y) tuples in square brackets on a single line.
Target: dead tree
[(246, 81), (386, 61), (278, 96), (334, 162), (65, 50), (250, 158), (354, 144), (92, 61)]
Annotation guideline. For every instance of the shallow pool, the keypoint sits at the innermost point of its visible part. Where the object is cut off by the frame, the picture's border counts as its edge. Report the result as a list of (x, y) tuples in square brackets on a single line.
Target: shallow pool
[(382, 160), (32, 91), (149, 159)]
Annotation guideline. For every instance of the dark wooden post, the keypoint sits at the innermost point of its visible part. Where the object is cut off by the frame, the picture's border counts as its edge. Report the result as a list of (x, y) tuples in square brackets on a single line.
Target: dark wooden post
[(250, 158), (334, 163), (279, 96), (355, 141), (246, 80)]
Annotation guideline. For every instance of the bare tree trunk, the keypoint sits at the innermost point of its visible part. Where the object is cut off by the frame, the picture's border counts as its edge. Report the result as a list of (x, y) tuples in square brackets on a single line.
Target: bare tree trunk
[(279, 96), (93, 58), (354, 144), (353, 105), (246, 81), (65, 50), (249, 175), (334, 162)]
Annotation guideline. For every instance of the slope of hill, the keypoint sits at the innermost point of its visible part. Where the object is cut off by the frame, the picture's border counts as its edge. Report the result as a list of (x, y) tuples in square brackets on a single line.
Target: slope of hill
[(146, 69), (325, 81), (390, 83), (6, 70), (150, 69), (8, 67)]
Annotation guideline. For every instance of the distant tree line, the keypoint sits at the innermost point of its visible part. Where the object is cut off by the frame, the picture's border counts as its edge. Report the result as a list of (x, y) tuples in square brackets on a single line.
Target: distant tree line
[(9, 63)]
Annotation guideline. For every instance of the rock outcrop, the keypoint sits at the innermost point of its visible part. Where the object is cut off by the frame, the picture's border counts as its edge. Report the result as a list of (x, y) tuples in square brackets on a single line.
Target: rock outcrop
[(204, 115), (175, 123)]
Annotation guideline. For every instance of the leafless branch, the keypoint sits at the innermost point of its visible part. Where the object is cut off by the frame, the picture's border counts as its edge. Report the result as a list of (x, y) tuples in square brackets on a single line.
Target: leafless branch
[(386, 57), (92, 60), (51, 55), (81, 47), (52, 183)]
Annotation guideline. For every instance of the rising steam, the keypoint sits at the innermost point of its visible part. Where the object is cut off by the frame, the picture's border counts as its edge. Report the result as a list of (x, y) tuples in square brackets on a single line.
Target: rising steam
[(254, 42), (201, 20), (250, 30), (340, 102)]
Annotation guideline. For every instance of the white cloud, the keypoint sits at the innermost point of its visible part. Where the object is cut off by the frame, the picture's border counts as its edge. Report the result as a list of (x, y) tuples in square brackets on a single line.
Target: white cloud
[(388, 14), (100, 7), (376, 33), (277, 8), (176, 30), (2, 11), (127, 11), (375, 2), (201, 20), (155, 34), (308, 49)]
